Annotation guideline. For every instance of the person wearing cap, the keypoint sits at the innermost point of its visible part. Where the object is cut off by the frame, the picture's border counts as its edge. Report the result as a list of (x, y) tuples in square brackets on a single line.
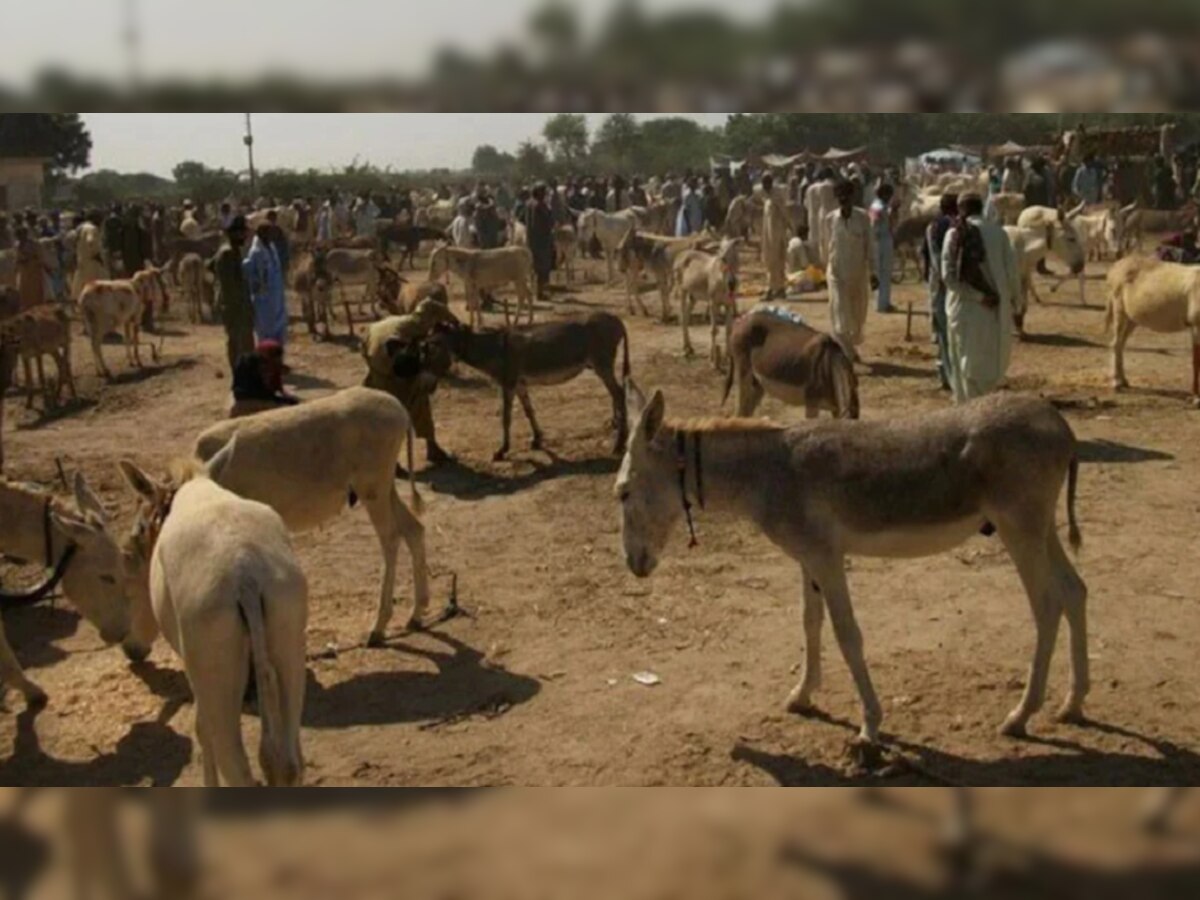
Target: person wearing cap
[(232, 301), (849, 251), (258, 381)]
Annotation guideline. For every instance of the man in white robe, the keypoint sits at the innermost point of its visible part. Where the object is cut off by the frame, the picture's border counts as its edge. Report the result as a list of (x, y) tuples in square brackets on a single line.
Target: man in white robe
[(819, 201), (979, 301), (774, 238), (850, 254)]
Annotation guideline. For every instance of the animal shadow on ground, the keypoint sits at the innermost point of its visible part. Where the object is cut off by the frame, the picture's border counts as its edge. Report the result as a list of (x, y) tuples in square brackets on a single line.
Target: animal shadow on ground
[(1105, 451), (1058, 340), (465, 483), (1076, 765), (892, 370), (349, 341), (1029, 874), (309, 382), (170, 685), (35, 629), (145, 373), (64, 410), (149, 753), (462, 687)]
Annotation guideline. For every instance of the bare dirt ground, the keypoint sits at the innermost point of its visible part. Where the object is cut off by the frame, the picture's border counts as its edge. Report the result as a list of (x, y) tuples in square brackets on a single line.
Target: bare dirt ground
[(534, 687)]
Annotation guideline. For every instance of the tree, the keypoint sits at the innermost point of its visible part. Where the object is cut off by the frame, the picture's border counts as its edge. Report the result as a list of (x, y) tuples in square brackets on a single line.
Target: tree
[(531, 160), (567, 136), (60, 137), (487, 160), (618, 142), (202, 184), (677, 143)]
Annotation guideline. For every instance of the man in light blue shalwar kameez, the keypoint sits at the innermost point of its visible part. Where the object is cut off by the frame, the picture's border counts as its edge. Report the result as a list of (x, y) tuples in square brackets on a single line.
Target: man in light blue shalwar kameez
[(264, 275)]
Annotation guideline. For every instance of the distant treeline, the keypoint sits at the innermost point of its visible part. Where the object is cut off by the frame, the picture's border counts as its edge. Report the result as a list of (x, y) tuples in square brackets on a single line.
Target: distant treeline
[(622, 144)]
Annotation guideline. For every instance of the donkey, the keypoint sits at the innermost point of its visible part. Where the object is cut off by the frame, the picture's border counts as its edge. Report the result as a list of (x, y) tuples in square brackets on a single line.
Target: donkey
[(226, 589), (774, 351), (83, 556), (901, 488), (307, 462), (1159, 296), (547, 353), (713, 278)]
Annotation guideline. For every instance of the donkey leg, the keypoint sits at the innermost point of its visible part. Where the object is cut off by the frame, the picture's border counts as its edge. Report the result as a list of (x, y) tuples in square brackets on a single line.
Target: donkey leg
[(1073, 596), (412, 531), (505, 422), (527, 405), (1026, 543), (685, 322), (1122, 329), (831, 581), (800, 699), (382, 512), (12, 673)]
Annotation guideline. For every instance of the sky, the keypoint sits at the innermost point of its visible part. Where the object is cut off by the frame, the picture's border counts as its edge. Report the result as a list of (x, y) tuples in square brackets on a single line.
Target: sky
[(155, 142), (233, 38)]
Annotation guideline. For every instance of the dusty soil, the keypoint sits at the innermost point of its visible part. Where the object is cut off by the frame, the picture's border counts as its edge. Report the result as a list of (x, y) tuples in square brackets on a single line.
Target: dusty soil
[(534, 686)]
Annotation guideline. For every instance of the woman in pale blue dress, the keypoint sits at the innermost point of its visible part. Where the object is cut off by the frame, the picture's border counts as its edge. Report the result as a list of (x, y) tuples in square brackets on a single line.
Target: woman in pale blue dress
[(264, 275)]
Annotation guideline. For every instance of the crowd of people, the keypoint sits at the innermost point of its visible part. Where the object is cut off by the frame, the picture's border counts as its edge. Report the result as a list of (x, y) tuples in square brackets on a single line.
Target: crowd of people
[(836, 221)]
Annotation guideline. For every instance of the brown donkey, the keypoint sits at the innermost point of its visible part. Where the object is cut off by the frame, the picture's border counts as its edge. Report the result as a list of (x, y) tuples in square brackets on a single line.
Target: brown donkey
[(547, 353)]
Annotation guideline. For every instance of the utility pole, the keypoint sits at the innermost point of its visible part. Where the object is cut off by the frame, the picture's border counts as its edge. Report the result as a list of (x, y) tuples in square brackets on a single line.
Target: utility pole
[(248, 140)]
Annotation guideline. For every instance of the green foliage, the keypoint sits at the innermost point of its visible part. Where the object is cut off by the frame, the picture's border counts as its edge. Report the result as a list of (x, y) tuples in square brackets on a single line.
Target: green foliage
[(567, 136), (105, 187), (532, 161), (60, 137), (487, 160)]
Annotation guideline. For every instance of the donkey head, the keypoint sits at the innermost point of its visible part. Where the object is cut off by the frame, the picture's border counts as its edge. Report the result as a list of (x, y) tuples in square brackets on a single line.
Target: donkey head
[(647, 485)]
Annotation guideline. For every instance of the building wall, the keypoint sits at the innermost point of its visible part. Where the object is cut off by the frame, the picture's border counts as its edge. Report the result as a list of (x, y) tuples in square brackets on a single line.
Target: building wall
[(21, 183)]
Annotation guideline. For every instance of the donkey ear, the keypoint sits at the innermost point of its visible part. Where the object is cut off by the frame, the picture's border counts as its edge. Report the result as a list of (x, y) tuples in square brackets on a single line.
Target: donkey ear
[(142, 484), (652, 418), (635, 400), (218, 464), (89, 504)]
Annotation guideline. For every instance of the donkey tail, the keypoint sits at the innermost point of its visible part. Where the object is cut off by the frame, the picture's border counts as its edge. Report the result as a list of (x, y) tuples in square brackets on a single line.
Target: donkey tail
[(839, 374), (625, 370), (1073, 534), (274, 752)]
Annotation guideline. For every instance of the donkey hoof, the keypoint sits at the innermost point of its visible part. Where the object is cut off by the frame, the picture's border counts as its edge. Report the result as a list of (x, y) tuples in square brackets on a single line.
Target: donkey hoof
[(135, 653), (500, 455), (415, 623), (801, 704), (1013, 728), (375, 639), (1070, 715), (35, 697)]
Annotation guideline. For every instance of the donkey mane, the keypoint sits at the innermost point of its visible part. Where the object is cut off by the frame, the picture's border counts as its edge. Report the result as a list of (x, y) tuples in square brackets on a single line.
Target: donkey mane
[(716, 425)]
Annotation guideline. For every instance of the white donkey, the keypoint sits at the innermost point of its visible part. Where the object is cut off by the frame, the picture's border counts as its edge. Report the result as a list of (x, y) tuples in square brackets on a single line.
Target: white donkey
[(226, 589), (904, 488)]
